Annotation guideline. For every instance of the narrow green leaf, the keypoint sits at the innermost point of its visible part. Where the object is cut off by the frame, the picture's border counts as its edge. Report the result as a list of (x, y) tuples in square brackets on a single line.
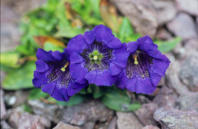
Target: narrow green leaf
[(126, 33), (166, 46)]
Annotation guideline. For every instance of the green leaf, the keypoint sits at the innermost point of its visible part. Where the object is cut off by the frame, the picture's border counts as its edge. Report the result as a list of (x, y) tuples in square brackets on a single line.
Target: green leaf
[(166, 46), (126, 32), (27, 108), (64, 26), (49, 46), (74, 100), (37, 94), (10, 59), (19, 78), (97, 92), (118, 100)]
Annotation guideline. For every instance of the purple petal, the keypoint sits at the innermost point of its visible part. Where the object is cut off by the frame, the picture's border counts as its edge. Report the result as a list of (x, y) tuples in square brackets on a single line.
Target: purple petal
[(89, 37), (120, 56), (75, 88), (43, 55), (103, 34), (144, 86), (75, 58), (76, 44), (132, 46), (41, 66), (114, 43), (57, 55), (100, 78), (114, 69), (78, 72)]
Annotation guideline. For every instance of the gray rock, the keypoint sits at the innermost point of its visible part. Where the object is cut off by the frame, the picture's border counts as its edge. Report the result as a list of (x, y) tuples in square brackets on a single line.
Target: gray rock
[(189, 6), (22, 120), (176, 119), (112, 124), (88, 125), (165, 10), (188, 102), (163, 34), (16, 98), (88, 111), (173, 80), (146, 15), (62, 125), (150, 127), (191, 44), (49, 111), (166, 97), (5, 125), (189, 72), (183, 26), (145, 113), (141, 15), (3, 109), (127, 120)]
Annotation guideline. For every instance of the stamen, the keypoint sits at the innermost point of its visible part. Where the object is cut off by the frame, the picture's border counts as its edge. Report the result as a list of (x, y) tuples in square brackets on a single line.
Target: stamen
[(95, 57), (64, 67), (135, 59)]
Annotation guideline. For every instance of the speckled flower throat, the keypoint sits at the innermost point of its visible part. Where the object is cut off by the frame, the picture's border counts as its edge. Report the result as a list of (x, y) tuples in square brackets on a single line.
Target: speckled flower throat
[(97, 56), (138, 65)]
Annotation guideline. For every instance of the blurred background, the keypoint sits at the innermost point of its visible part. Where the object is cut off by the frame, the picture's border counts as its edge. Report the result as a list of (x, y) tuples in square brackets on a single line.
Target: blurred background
[(27, 25)]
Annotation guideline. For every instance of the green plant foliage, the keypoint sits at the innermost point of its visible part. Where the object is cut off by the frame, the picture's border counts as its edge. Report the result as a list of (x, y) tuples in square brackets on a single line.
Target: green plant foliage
[(118, 100), (27, 108), (19, 78), (48, 46), (37, 94), (166, 46), (126, 33), (74, 100), (10, 59)]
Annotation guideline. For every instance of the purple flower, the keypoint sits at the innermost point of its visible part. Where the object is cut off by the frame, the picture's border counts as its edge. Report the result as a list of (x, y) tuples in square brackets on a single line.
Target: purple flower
[(53, 77), (145, 65), (96, 57)]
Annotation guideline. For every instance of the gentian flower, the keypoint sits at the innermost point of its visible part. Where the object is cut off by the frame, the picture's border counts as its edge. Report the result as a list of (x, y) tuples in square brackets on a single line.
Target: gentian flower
[(96, 57), (145, 66), (53, 77)]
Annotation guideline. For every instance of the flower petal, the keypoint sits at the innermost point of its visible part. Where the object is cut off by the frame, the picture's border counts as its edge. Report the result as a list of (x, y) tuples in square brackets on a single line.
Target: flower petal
[(78, 72), (114, 69), (114, 43), (75, 88), (57, 55), (43, 55), (100, 78), (76, 44), (103, 34), (89, 37), (41, 66), (75, 58), (120, 56), (144, 86), (132, 46)]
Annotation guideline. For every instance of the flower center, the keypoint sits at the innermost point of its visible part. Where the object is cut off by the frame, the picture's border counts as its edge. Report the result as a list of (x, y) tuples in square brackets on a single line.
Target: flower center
[(59, 74), (138, 64), (95, 57)]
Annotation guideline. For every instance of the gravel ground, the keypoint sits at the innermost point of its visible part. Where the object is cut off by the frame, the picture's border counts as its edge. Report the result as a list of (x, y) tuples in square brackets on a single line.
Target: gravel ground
[(174, 105)]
